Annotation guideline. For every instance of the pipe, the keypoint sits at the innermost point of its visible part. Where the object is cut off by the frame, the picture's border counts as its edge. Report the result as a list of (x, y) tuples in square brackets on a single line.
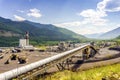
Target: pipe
[(18, 71)]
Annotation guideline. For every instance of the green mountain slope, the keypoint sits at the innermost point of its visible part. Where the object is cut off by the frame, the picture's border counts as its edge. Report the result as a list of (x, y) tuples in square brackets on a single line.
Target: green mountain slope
[(118, 37), (38, 32)]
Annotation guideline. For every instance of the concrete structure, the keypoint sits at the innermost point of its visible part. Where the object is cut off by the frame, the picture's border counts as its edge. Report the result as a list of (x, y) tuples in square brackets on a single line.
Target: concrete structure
[(24, 43)]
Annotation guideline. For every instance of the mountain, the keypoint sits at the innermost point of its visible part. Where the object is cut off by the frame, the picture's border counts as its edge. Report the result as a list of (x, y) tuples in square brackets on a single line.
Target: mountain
[(118, 37), (95, 35), (38, 32), (111, 34)]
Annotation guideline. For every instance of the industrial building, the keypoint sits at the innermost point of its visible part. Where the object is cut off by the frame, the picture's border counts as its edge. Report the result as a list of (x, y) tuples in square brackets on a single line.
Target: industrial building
[(24, 43)]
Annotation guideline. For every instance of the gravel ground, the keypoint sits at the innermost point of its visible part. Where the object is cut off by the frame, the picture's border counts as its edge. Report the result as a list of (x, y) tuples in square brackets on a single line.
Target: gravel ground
[(31, 57), (105, 57), (77, 62)]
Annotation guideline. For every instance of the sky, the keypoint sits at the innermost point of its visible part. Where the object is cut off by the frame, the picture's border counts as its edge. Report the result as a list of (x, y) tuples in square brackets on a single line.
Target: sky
[(80, 16)]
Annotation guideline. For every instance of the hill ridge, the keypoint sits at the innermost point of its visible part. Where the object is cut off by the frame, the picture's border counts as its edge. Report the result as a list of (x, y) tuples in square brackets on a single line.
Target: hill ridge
[(38, 32)]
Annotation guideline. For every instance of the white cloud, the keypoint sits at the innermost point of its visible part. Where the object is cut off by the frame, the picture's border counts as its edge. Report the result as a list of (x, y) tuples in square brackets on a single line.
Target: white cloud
[(97, 17), (94, 20), (18, 18), (34, 13), (21, 11), (83, 28), (94, 17), (109, 5), (90, 13), (69, 24), (90, 31)]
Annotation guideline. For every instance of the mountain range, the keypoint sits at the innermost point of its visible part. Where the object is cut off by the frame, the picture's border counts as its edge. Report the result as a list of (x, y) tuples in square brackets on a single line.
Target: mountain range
[(94, 36), (111, 34), (108, 35), (38, 32)]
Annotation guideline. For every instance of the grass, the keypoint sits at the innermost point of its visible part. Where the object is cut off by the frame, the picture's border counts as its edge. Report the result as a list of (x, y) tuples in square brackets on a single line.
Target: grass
[(41, 47), (110, 72)]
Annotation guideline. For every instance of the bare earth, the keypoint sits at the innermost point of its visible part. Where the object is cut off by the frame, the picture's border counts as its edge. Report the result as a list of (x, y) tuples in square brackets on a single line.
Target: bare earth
[(105, 57), (101, 59), (77, 62), (31, 57)]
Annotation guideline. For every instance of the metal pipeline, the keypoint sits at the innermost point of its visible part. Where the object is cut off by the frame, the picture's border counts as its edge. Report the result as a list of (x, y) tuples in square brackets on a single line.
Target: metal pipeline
[(24, 69)]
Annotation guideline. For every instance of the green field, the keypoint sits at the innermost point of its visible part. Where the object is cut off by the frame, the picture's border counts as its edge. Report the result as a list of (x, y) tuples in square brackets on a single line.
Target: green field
[(110, 72)]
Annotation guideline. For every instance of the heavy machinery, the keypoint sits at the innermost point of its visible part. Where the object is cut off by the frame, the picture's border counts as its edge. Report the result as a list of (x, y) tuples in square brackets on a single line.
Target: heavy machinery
[(88, 52)]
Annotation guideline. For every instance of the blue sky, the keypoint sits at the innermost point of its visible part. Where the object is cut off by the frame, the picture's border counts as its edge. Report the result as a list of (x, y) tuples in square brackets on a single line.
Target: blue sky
[(80, 16)]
